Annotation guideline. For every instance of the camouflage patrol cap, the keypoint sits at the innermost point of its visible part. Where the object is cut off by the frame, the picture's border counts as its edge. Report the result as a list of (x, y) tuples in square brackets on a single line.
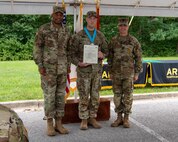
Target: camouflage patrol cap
[(123, 21), (57, 8), (91, 14)]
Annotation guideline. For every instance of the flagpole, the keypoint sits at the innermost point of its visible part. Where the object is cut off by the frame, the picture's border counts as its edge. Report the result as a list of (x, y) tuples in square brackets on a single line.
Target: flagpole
[(57, 2), (81, 14), (75, 18)]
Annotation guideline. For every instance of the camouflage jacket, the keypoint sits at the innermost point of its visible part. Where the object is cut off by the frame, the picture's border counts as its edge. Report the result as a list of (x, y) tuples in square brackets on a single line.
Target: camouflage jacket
[(51, 49), (11, 126), (125, 56), (77, 45)]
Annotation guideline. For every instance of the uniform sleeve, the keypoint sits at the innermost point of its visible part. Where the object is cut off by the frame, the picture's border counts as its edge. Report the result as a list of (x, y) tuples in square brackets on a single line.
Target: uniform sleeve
[(110, 56), (38, 49), (138, 58), (74, 43), (104, 46), (68, 52)]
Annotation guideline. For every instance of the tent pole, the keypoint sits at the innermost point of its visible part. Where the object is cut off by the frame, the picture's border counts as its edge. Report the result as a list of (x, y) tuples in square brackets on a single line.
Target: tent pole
[(131, 20)]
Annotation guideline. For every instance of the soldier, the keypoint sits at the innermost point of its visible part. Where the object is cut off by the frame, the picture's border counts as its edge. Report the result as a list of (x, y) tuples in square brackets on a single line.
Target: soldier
[(11, 126), (53, 60), (88, 75), (125, 64)]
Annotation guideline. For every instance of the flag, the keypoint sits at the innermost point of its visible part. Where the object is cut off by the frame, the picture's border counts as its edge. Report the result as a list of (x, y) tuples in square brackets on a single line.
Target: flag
[(73, 74), (98, 14), (67, 87), (65, 17), (67, 92), (79, 24)]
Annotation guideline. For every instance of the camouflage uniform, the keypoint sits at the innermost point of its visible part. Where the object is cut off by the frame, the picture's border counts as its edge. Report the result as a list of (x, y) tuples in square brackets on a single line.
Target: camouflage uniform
[(88, 78), (124, 62), (51, 52), (11, 126)]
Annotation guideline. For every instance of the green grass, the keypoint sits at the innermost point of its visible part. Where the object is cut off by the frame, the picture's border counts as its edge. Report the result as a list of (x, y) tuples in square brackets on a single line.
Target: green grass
[(20, 80), (147, 89), (161, 58)]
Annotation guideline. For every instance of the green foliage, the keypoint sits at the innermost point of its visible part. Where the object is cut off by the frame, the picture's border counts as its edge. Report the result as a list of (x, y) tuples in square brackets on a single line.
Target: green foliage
[(157, 35), (11, 49), (109, 26), (160, 48), (171, 32)]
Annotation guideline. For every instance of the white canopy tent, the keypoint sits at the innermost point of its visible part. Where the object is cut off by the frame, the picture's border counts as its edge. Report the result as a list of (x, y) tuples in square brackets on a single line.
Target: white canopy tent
[(166, 8)]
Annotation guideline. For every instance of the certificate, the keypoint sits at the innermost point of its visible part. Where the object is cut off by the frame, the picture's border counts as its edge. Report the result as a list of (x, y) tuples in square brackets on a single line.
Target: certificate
[(90, 54)]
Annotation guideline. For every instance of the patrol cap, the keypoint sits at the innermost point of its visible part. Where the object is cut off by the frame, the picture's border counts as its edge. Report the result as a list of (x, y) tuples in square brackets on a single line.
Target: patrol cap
[(57, 8), (91, 14), (123, 21)]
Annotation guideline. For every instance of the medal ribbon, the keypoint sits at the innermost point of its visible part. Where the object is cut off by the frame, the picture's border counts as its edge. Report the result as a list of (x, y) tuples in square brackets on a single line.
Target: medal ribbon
[(92, 38)]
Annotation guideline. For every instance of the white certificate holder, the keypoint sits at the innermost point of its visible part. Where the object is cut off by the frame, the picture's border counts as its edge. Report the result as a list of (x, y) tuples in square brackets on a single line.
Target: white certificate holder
[(90, 54)]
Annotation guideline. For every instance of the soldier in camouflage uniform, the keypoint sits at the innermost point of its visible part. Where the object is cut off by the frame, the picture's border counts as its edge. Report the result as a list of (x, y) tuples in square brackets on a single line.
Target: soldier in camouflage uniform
[(88, 75), (53, 60), (11, 126), (125, 64)]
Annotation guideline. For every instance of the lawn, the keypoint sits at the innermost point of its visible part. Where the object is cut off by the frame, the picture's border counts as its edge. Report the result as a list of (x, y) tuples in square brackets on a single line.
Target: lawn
[(20, 80)]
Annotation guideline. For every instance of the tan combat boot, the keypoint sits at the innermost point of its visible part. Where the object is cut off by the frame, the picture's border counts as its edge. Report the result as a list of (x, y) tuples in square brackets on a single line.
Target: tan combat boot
[(94, 123), (84, 124), (50, 127), (58, 126), (118, 121), (126, 121)]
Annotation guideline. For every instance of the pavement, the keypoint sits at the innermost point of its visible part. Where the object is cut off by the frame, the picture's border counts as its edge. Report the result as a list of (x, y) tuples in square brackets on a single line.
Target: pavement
[(39, 103), (154, 119)]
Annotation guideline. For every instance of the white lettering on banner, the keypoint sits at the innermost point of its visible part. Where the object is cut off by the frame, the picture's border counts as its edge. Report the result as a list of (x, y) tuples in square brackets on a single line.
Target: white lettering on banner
[(172, 73), (105, 75)]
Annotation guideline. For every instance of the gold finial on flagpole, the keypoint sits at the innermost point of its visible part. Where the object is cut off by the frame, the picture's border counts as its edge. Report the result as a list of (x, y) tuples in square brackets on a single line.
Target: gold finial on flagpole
[(98, 2)]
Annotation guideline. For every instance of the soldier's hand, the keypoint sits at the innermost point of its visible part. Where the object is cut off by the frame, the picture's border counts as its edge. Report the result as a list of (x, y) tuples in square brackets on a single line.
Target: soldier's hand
[(81, 64), (100, 55), (135, 77), (42, 71), (111, 77)]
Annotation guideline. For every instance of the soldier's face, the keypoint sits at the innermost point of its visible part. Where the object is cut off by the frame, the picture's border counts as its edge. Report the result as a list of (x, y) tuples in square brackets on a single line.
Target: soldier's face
[(57, 17), (123, 29), (91, 22)]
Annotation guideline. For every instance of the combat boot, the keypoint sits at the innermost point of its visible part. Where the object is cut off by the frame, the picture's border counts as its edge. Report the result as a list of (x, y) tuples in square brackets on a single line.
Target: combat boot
[(84, 124), (126, 121), (118, 121), (59, 127), (94, 123), (50, 127)]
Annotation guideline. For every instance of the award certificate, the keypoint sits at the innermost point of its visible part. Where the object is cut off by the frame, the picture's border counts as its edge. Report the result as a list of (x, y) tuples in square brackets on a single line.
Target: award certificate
[(90, 54)]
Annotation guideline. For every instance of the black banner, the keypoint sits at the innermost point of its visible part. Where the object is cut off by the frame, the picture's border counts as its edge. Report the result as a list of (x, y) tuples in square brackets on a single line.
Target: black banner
[(106, 82), (164, 72), (142, 78)]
